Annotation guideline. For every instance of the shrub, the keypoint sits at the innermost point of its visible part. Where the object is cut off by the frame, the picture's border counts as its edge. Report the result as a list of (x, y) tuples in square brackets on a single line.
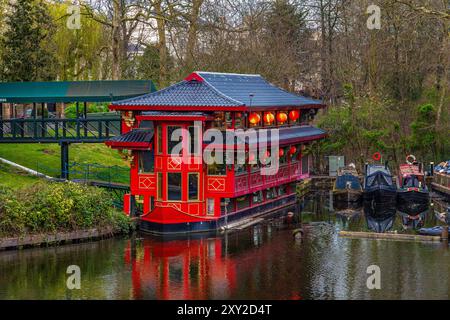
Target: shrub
[(51, 207)]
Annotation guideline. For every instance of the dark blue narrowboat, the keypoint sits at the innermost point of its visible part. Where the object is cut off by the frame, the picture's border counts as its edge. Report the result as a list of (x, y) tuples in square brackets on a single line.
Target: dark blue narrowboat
[(379, 185)]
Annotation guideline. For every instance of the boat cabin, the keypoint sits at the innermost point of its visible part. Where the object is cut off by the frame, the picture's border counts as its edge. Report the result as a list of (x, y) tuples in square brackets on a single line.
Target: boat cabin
[(173, 187)]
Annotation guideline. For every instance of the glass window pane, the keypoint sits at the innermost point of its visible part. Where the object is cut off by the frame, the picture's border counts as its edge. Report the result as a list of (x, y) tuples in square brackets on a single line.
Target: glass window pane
[(160, 189), (174, 186), (172, 142), (193, 186), (159, 139), (210, 207), (242, 202), (146, 161)]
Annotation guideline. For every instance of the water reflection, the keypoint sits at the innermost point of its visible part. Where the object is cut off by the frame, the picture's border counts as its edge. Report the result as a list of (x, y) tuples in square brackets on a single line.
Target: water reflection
[(379, 216), (262, 262)]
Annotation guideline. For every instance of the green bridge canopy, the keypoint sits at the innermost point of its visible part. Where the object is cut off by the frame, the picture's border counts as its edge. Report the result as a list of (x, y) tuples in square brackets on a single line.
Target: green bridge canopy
[(73, 91)]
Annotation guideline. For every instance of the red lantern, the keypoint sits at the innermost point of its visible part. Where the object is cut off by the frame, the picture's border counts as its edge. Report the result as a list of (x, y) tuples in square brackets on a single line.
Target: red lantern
[(294, 115), (282, 117), (251, 157), (254, 118), (267, 154), (269, 117), (292, 150), (281, 152)]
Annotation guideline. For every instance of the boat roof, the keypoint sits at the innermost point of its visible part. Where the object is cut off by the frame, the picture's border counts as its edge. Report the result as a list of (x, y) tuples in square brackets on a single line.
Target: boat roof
[(410, 169), (373, 168), (212, 90)]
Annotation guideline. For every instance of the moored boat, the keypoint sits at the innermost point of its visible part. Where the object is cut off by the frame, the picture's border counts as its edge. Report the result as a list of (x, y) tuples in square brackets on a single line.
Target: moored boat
[(412, 192), (379, 185), (347, 187)]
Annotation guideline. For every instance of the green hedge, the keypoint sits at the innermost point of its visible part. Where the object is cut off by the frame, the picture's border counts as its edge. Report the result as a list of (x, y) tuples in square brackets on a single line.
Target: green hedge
[(51, 207)]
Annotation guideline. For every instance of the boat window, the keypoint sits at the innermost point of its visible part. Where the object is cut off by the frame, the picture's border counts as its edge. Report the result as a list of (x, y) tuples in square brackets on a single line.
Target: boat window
[(217, 169), (193, 186), (271, 193), (173, 139), (228, 205), (174, 186), (146, 161), (239, 120), (219, 120), (242, 202), (210, 207), (194, 142), (159, 186), (257, 197), (282, 190), (386, 180), (371, 181), (411, 182), (159, 139)]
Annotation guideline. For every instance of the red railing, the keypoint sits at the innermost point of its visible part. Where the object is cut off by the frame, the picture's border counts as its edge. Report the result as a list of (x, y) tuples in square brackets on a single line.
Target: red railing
[(245, 183)]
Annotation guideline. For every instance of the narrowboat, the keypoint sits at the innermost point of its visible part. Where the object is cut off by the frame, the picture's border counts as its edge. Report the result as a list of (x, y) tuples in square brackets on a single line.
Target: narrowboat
[(412, 193), (379, 185), (201, 151), (347, 187)]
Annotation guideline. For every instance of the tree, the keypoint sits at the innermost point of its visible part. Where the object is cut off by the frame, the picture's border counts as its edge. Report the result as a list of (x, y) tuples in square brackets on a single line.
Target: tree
[(80, 52), (27, 53)]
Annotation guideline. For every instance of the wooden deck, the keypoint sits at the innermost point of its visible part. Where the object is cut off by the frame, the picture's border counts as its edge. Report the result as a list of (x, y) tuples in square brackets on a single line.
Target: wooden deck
[(389, 236)]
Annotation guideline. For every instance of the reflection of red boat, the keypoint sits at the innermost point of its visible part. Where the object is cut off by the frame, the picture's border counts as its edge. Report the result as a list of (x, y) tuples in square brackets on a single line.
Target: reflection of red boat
[(179, 269)]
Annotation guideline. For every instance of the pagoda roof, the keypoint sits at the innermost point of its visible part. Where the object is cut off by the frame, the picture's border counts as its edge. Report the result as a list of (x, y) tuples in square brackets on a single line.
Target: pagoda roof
[(212, 91), (286, 135), (134, 139)]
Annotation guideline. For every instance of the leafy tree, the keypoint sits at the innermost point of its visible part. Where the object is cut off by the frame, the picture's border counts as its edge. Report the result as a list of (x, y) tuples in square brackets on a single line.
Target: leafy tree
[(27, 44), (78, 51), (423, 138)]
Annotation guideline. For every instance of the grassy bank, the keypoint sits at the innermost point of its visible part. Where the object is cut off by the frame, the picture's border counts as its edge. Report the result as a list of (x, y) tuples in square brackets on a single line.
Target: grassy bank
[(57, 207), (46, 157), (14, 179)]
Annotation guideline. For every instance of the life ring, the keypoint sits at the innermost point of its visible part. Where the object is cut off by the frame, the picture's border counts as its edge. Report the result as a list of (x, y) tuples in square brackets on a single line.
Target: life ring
[(376, 156), (410, 156)]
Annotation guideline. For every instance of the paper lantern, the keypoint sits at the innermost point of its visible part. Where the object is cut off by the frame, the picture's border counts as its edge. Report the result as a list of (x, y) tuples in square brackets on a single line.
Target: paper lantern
[(294, 115), (292, 150), (267, 154), (254, 118), (269, 117), (282, 117), (251, 157), (281, 152)]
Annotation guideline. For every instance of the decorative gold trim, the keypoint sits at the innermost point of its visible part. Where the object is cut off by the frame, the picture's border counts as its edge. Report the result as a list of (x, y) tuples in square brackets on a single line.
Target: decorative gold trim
[(128, 118)]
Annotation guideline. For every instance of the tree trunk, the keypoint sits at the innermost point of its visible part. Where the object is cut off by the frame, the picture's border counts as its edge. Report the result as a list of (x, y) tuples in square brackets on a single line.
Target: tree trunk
[(116, 42), (192, 34), (162, 46)]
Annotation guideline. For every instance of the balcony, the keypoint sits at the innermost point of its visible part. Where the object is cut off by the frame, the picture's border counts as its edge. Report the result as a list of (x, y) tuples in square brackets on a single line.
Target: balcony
[(252, 182)]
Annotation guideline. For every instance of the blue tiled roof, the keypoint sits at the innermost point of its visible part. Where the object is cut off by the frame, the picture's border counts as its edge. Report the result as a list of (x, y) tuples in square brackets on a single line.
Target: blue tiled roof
[(253, 90), (286, 135), (221, 89), (184, 93), (136, 135)]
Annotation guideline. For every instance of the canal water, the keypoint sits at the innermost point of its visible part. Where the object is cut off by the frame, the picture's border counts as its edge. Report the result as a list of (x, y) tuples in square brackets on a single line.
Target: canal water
[(262, 262)]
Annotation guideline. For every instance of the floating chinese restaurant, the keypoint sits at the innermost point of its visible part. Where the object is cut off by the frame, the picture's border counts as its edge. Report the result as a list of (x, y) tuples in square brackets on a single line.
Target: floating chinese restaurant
[(175, 190)]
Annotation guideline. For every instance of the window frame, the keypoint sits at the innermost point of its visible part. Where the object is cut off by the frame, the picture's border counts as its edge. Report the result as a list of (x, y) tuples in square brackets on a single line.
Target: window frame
[(167, 187), (188, 186)]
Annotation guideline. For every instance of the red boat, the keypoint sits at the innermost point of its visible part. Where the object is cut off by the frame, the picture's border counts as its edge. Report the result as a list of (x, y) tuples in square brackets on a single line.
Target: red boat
[(412, 192), (178, 190)]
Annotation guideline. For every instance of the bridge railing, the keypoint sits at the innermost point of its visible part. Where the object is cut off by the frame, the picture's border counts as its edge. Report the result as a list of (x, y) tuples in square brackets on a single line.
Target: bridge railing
[(54, 130), (90, 172)]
